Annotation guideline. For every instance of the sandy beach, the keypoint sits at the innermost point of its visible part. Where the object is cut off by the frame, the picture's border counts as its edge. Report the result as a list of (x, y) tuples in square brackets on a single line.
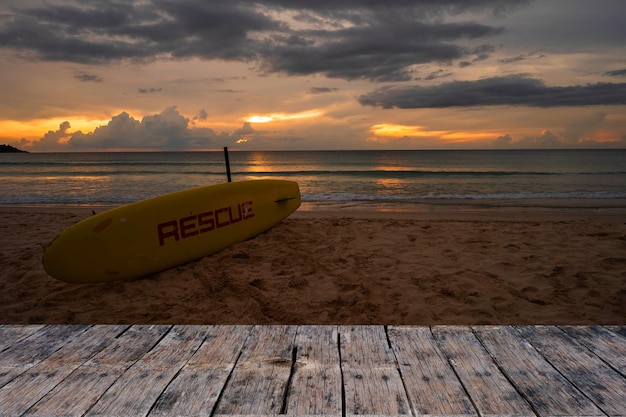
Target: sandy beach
[(438, 265)]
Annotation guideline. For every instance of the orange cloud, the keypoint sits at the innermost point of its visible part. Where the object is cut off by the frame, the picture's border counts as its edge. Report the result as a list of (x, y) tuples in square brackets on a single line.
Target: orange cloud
[(402, 131), (277, 117), (467, 136), (390, 131), (36, 128)]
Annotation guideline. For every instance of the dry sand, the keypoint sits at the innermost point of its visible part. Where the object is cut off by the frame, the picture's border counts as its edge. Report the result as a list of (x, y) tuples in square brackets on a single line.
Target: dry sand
[(440, 266)]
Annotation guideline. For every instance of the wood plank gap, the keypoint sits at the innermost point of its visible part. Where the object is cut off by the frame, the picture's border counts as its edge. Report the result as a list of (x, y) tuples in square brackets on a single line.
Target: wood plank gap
[(91, 374), (44, 378), (315, 388), (456, 373), (127, 364), (520, 331), (487, 389), (34, 349), (503, 371), (141, 385), (163, 336), (371, 378), (294, 355), (123, 332), (12, 334), (196, 388), (343, 381), (395, 357), (581, 367), (154, 405), (547, 388), (602, 343), (229, 377), (259, 380), (578, 340), (431, 383)]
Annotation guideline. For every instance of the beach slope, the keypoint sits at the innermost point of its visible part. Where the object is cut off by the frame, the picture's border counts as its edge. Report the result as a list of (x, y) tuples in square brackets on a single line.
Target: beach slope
[(450, 267)]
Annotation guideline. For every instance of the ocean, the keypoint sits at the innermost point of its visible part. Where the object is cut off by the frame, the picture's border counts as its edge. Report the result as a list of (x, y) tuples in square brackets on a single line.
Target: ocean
[(386, 178)]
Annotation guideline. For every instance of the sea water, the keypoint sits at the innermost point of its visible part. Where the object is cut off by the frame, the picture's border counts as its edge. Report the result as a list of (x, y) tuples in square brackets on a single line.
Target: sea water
[(359, 177)]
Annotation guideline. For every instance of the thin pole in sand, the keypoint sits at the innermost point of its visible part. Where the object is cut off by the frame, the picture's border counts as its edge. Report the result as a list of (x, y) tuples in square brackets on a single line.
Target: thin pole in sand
[(227, 163)]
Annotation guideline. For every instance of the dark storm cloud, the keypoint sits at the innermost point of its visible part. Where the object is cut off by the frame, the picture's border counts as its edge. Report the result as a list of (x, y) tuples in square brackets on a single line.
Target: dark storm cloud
[(376, 40), (495, 91), (382, 51), (438, 74), (82, 34), (431, 8), (99, 31), (202, 115), (84, 77), (568, 25), (616, 73), (151, 90), (322, 90), (521, 57)]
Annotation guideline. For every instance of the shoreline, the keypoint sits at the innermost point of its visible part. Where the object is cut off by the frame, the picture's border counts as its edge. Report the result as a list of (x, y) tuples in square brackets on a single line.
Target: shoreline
[(439, 209), (408, 205), (424, 264), (427, 209)]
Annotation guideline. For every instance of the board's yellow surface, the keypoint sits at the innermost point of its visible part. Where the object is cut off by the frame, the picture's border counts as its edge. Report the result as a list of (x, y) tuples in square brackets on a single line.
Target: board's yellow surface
[(155, 234)]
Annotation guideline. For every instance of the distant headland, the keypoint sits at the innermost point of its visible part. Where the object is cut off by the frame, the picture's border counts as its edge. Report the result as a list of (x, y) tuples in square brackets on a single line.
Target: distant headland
[(10, 149)]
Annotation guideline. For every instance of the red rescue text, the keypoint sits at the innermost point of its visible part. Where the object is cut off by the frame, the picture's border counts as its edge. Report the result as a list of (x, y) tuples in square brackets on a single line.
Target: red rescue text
[(195, 224)]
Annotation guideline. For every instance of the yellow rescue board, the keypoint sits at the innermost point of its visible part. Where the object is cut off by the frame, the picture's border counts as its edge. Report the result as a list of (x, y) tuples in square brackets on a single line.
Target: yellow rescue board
[(161, 232)]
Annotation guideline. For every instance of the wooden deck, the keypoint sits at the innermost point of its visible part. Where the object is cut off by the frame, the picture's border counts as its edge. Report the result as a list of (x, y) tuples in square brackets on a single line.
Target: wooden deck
[(143, 370)]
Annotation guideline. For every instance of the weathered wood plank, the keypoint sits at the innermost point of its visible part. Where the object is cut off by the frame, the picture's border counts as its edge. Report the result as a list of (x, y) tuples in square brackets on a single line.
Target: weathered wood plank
[(24, 391), (132, 345), (77, 393), (548, 392), (196, 389), (606, 344), (431, 384), (83, 346), (372, 381), (258, 383), (487, 387), (587, 372), (202, 370), (620, 330), (30, 351), (136, 391), (316, 382), (11, 334)]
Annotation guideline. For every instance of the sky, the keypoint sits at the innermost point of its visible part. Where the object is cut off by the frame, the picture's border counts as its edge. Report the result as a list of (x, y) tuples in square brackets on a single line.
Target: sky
[(98, 75)]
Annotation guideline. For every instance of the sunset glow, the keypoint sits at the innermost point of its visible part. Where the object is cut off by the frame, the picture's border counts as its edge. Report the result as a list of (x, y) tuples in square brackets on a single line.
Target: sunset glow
[(456, 74), (398, 131), (402, 131), (279, 117), (460, 137), (17, 129)]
